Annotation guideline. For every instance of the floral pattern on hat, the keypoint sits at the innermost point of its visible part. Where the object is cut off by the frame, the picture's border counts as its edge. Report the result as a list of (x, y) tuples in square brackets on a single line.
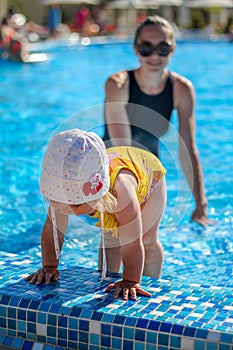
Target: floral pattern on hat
[(94, 185)]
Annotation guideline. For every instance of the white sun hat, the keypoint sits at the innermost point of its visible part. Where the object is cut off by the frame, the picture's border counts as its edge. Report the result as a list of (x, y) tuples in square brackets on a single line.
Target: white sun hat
[(75, 168)]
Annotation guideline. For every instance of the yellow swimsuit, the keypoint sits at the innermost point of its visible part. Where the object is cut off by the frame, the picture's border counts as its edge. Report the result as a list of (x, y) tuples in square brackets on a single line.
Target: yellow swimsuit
[(145, 166)]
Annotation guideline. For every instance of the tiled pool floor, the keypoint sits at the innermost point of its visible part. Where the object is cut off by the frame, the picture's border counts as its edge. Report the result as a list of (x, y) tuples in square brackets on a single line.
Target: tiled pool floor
[(76, 313)]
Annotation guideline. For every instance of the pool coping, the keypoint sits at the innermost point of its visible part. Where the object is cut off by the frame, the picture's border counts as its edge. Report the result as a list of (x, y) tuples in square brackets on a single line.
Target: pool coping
[(76, 313)]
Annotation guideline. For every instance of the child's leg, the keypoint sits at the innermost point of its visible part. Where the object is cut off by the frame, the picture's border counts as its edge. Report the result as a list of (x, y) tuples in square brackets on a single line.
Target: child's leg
[(113, 253), (151, 215)]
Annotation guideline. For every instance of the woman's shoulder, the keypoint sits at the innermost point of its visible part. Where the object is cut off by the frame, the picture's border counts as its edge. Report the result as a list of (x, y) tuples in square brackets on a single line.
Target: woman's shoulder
[(184, 90), (116, 87), (118, 79), (180, 80)]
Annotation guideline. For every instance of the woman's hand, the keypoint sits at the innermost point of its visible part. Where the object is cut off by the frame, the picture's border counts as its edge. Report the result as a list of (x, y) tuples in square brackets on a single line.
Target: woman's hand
[(127, 287), (200, 216), (45, 274)]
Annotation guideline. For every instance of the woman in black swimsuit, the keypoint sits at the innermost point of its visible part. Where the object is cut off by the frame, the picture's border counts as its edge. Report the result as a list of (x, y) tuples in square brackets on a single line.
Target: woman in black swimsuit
[(139, 104)]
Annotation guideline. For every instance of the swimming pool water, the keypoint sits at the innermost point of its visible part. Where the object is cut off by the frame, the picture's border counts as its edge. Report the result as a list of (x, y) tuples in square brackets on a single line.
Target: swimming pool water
[(37, 99)]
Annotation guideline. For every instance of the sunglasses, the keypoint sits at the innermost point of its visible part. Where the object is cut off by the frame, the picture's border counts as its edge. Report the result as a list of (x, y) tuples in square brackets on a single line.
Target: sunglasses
[(146, 48)]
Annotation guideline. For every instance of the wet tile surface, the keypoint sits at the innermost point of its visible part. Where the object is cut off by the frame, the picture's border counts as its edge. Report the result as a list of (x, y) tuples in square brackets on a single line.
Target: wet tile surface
[(77, 313)]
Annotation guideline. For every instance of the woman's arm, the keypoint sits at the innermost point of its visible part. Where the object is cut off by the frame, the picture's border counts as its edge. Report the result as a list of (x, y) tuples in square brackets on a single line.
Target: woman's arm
[(188, 152), (116, 90)]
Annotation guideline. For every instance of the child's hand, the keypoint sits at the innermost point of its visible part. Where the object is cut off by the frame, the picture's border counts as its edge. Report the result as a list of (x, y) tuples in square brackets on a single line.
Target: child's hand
[(127, 287), (45, 274)]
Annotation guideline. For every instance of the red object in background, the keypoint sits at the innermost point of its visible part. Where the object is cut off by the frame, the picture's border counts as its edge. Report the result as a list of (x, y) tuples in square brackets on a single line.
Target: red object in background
[(81, 17)]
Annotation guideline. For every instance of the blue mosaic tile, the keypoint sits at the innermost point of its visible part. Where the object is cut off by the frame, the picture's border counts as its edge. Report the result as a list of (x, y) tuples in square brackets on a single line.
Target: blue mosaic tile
[(224, 347), (138, 346), (52, 319), (73, 323), (93, 347), (7, 341), (165, 327), (116, 331), (96, 315), (86, 313), (31, 327), (54, 308), (212, 346), (201, 333), (17, 343), (199, 345), (128, 333), (31, 316), (73, 335), (34, 305), (154, 325), (163, 339), (14, 301), (84, 325), (106, 329), (175, 310), (140, 335), (177, 329), (49, 340), (11, 324), (62, 321), (116, 343), (142, 323), (151, 337), (2, 322), (3, 311), (76, 311), (189, 332), (175, 342), (151, 347), (41, 317), (127, 344), (44, 307), (27, 345), (227, 338), (4, 300), (106, 341)]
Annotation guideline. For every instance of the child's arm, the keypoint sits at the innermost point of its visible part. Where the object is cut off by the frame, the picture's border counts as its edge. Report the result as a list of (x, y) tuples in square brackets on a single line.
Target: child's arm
[(130, 233), (49, 261)]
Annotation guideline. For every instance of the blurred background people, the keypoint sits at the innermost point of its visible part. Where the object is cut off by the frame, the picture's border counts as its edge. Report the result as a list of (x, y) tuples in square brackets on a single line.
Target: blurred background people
[(82, 17), (54, 18), (14, 44)]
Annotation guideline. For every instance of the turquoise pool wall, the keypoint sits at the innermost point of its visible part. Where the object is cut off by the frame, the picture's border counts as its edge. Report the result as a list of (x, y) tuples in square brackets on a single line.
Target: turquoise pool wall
[(76, 313)]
